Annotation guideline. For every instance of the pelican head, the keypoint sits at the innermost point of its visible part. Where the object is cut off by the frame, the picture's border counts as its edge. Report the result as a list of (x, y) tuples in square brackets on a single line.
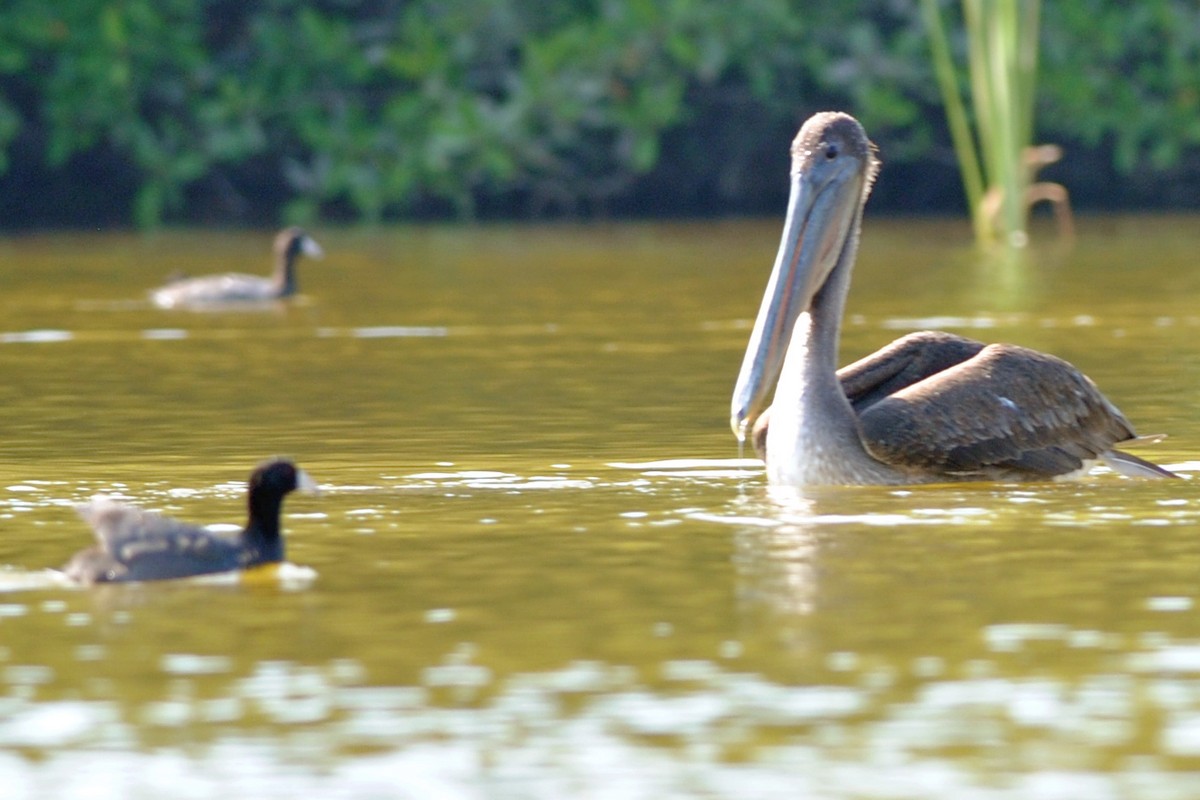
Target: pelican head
[(833, 166)]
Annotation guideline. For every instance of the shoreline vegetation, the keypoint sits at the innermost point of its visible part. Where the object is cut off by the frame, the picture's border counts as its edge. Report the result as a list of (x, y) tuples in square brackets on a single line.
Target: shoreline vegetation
[(220, 112)]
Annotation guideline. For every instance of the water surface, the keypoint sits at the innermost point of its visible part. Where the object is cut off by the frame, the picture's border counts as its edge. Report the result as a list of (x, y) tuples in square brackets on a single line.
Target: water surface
[(538, 567)]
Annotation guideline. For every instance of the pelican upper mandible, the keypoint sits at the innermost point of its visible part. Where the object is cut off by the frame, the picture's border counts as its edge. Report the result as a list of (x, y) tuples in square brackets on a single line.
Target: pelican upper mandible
[(929, 407)]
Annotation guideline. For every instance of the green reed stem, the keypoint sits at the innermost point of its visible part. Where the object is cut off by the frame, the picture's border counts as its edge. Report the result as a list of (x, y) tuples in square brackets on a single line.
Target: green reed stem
[(956, 117), (1002, 50)]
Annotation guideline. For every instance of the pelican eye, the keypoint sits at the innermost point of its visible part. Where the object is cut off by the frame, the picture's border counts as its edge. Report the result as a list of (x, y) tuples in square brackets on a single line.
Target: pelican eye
[(831, 152)]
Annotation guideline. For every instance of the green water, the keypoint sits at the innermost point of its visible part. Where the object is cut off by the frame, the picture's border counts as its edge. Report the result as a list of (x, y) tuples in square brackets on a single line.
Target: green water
[(538, 568)]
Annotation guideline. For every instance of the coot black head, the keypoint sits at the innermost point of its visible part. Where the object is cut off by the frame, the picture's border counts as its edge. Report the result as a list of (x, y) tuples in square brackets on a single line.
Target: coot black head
[(269, 484), (136, 545), (290, 244), (277, 476), (294, 242)]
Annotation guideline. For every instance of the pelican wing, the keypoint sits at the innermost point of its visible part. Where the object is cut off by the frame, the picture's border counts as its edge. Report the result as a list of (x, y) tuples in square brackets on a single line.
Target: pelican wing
[(902, 363), (1007, 410)]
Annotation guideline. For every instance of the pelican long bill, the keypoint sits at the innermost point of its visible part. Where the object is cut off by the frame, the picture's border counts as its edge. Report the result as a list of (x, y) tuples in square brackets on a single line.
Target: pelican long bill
[(822, 205)]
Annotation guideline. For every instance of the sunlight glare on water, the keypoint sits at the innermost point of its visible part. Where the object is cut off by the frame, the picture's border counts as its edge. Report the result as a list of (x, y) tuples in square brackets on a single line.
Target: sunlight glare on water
[(539, 566)]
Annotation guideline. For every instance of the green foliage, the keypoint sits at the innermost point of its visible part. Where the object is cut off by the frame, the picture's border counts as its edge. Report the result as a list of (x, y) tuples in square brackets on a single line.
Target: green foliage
[(1125, 72), (460, 107)]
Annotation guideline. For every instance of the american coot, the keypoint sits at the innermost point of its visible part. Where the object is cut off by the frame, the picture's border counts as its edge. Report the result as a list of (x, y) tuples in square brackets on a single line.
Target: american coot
[(137, 545), (234, 288)]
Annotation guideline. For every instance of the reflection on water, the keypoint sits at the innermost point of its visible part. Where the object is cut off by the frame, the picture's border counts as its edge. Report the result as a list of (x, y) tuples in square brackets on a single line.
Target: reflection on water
[(538, 566), (695, 728)]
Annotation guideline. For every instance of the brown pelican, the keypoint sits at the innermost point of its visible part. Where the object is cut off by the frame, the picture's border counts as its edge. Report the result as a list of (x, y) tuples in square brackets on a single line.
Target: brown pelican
[(929, 407), (233, 287)]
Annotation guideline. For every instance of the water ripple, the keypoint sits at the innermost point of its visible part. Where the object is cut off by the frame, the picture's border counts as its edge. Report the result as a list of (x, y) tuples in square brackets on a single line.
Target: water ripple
[(36, 336), (597, 730)]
